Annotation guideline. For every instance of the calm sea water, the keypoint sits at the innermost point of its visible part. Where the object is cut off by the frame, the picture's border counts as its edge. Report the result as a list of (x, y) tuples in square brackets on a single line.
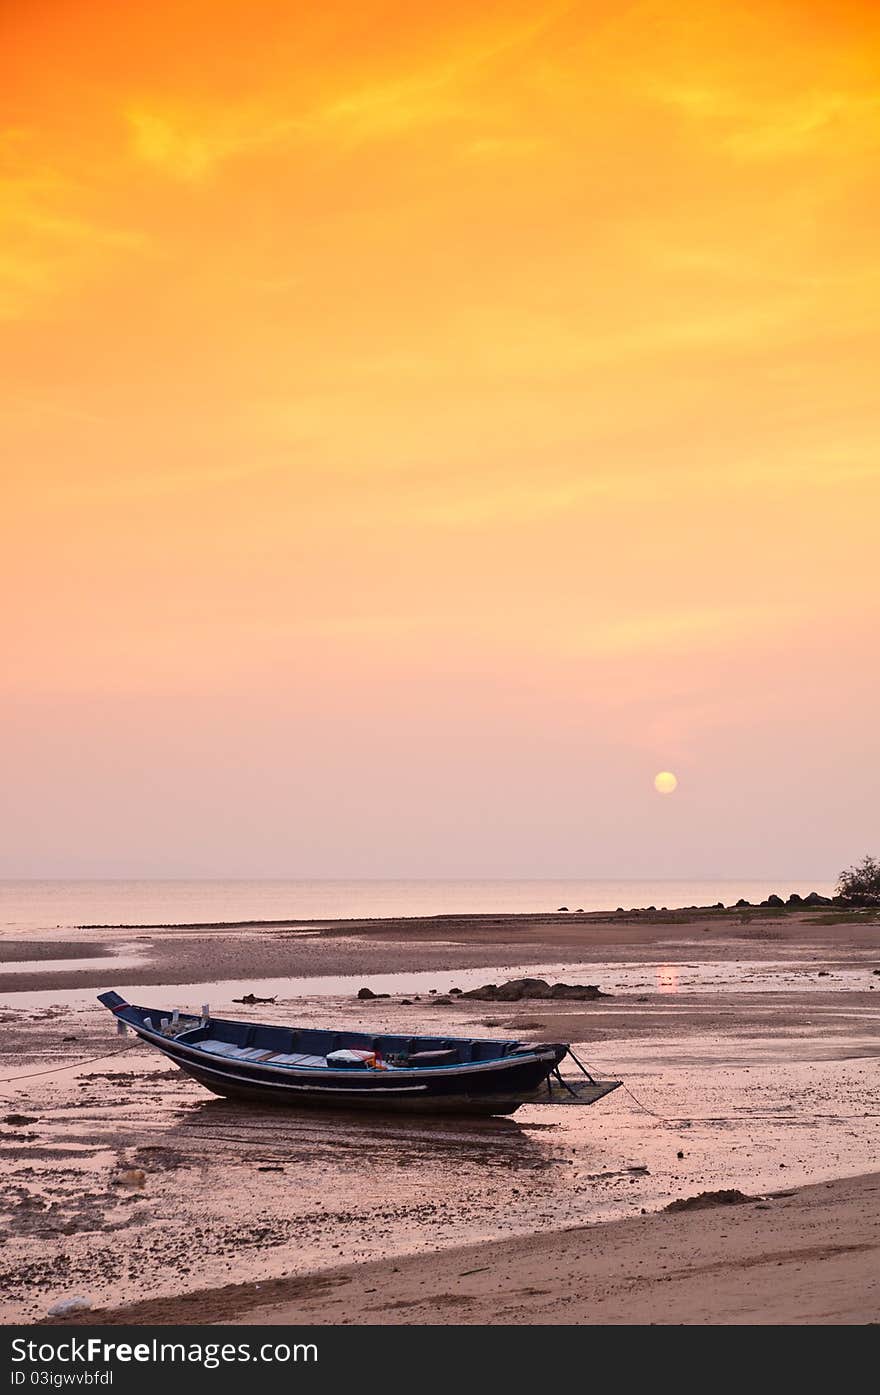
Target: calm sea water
[(36, 905)]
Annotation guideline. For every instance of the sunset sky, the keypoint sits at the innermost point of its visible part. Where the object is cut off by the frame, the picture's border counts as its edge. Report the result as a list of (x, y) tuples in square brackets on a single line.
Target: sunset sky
[(423, 423)]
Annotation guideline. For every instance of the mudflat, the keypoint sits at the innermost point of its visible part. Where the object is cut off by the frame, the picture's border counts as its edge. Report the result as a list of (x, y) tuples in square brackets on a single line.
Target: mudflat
[(748, 1042)]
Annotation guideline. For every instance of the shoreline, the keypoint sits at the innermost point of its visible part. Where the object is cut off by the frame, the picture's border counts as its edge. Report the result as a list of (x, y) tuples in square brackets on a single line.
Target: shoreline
[(804, 1256), (304, 949)]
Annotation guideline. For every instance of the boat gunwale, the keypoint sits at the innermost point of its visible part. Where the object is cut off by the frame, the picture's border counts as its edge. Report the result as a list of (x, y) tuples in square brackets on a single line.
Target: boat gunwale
[(542, 1052), (469, 1067)]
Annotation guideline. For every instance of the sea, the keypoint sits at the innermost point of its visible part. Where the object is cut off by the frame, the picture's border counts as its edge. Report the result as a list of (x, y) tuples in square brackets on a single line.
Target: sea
[(50, 905)]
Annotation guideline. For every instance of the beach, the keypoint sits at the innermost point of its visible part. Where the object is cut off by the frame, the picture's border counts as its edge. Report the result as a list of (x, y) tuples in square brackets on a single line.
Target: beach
[(806, 1256), (747, 1041)]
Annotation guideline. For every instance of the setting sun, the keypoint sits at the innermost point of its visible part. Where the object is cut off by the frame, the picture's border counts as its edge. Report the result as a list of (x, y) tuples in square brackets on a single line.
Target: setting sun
[(665, 782)]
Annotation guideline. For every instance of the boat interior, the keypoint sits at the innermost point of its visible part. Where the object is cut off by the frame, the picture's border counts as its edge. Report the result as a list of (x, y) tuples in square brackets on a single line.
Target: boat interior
[(307, 1047)]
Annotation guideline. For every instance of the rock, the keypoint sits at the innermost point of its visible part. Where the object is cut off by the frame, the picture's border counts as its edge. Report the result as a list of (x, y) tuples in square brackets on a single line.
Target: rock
[(406, 1002), (133, 1178), (364, 993), (562, 908), (441, 1001), (512, 991), (77, 1304), (795, 900), (455, 992), (730, 1197), (679, 1154), (823, 973), (518, 988), (773, 901), (251, 998), (20, 1119), (743, 902), (719, 906), (650, 908), (578, 992), (814, 899)]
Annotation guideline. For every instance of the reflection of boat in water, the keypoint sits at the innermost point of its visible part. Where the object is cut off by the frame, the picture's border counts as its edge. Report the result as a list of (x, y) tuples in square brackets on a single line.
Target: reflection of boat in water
[(306, 1066)]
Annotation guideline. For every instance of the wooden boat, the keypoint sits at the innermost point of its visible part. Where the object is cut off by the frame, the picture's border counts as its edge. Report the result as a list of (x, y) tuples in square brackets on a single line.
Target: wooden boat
[(386, 1071)]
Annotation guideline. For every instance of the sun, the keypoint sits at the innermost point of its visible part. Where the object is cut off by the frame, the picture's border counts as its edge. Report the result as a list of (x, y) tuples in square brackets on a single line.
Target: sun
[(665, 782)]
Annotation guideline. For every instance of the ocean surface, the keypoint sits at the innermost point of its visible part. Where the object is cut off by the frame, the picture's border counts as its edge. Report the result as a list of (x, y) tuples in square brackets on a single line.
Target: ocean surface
[(38, 905)]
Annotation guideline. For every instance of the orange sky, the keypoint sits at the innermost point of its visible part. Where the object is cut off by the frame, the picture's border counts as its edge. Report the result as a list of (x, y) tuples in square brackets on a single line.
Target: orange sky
[(422, 423)]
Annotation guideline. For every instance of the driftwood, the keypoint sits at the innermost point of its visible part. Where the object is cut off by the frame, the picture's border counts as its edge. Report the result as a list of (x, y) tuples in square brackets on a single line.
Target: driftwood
[(250, 998)]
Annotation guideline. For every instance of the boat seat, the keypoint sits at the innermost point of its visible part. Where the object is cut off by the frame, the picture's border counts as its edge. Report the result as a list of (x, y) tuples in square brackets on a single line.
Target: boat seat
[(294, 1058), (433, 1058), (258, 1054)]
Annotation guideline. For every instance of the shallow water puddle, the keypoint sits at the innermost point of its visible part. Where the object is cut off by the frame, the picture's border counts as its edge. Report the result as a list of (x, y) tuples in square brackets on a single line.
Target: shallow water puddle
[(106, 962), (611, 976)]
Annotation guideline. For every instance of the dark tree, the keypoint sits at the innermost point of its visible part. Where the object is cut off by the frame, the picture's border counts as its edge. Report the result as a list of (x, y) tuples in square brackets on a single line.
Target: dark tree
[(860, 885)]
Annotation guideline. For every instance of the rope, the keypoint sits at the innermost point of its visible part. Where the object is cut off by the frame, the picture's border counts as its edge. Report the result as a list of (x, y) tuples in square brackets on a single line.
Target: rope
[(723, 1118), (56, 1070)]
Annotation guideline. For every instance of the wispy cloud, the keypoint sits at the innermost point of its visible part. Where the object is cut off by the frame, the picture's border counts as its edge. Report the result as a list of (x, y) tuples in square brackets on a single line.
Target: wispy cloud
[(782, 124), (50, 237), (191, 142)]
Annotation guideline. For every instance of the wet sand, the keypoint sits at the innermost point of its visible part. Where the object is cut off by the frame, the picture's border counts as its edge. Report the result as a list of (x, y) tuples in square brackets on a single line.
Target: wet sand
[(753, 1038), (178, 955)]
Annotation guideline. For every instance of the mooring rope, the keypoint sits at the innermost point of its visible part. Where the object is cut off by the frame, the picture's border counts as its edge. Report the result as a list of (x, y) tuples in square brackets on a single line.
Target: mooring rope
[(721, 1118), (71, 1065)]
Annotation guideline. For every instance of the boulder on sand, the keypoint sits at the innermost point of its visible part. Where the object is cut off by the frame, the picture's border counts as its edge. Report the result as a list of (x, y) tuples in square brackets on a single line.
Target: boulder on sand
[(518, 988), (729, 1197)]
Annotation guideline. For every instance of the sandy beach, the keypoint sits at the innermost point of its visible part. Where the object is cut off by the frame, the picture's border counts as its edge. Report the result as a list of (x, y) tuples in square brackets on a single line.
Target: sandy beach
[(748, 1040), (806, 1256)]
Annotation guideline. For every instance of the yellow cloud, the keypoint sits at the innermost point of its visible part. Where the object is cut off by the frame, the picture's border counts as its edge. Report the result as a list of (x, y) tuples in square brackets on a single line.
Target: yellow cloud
[(189, 144), (38, 271), (773, 125), (700, 628), (51, 239), (504, 147), (189, 147)]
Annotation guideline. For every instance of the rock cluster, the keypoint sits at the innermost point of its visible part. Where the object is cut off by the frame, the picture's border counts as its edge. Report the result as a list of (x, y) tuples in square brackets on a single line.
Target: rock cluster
[(518, 988), (794, 900)]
